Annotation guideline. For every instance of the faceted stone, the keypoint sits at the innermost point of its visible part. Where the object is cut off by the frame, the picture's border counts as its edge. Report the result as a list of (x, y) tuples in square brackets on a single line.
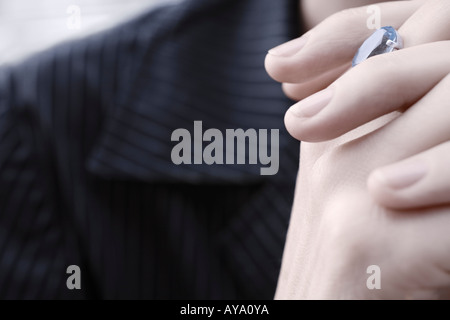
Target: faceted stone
[(384, 40)]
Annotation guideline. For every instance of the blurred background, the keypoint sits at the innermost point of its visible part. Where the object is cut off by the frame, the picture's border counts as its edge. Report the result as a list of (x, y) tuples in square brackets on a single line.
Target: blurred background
[(27, 26)]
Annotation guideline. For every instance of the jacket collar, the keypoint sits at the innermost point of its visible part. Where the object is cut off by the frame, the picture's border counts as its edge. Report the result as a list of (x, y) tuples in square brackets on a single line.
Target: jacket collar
[(180, 70)]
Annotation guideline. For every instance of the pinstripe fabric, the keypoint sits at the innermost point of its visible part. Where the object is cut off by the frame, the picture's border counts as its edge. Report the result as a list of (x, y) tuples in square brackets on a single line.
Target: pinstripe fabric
[(85, 171)]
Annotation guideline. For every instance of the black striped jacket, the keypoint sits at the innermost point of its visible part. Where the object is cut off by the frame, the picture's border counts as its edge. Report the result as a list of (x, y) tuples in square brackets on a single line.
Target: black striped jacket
[(86, 176)]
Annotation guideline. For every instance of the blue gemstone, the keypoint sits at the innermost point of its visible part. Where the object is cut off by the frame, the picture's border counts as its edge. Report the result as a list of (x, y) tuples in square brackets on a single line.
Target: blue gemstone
[(384, 40)]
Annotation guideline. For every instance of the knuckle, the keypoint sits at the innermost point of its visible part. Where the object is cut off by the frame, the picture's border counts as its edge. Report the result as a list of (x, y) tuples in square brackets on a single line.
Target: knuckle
[(348, 14), (347, 19), (344, 223)]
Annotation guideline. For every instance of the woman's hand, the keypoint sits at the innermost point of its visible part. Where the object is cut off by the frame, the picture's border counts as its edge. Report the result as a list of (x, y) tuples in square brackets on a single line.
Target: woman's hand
[(315, 11), (382, 133), (315, 60)]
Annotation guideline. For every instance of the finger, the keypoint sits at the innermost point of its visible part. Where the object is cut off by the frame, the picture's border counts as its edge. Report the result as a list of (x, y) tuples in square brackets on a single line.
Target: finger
[(429, 23), (382, 84), (314, 11), (420, 181), (421, 135), (299, 91), (332, 43)]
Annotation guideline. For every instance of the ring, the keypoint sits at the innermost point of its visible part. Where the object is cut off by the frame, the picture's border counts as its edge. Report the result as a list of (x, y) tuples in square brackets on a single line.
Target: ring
[(384, 40)]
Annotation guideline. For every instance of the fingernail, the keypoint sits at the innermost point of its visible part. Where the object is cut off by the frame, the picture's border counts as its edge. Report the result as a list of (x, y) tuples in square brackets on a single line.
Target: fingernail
[(289, 48), (403, 175), (313, 104)]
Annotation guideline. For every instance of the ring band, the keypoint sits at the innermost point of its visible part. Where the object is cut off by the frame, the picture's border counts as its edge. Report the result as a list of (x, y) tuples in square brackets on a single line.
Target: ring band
[(383, 40)]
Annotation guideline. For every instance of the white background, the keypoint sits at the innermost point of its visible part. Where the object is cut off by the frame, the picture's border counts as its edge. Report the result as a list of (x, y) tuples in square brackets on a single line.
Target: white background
[(27, 26)]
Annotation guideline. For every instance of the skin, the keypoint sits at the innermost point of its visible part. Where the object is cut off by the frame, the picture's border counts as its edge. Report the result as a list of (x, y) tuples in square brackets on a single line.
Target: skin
[(315, 11), (374, 181)]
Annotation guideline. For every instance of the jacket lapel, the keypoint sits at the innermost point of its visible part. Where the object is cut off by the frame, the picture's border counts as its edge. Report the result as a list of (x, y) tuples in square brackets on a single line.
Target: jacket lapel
[(209, 69)]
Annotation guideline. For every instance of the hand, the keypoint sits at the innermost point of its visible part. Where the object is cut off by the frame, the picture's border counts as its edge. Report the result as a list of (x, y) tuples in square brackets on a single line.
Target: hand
[(315, 11), (385, 127), (315, 60)]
